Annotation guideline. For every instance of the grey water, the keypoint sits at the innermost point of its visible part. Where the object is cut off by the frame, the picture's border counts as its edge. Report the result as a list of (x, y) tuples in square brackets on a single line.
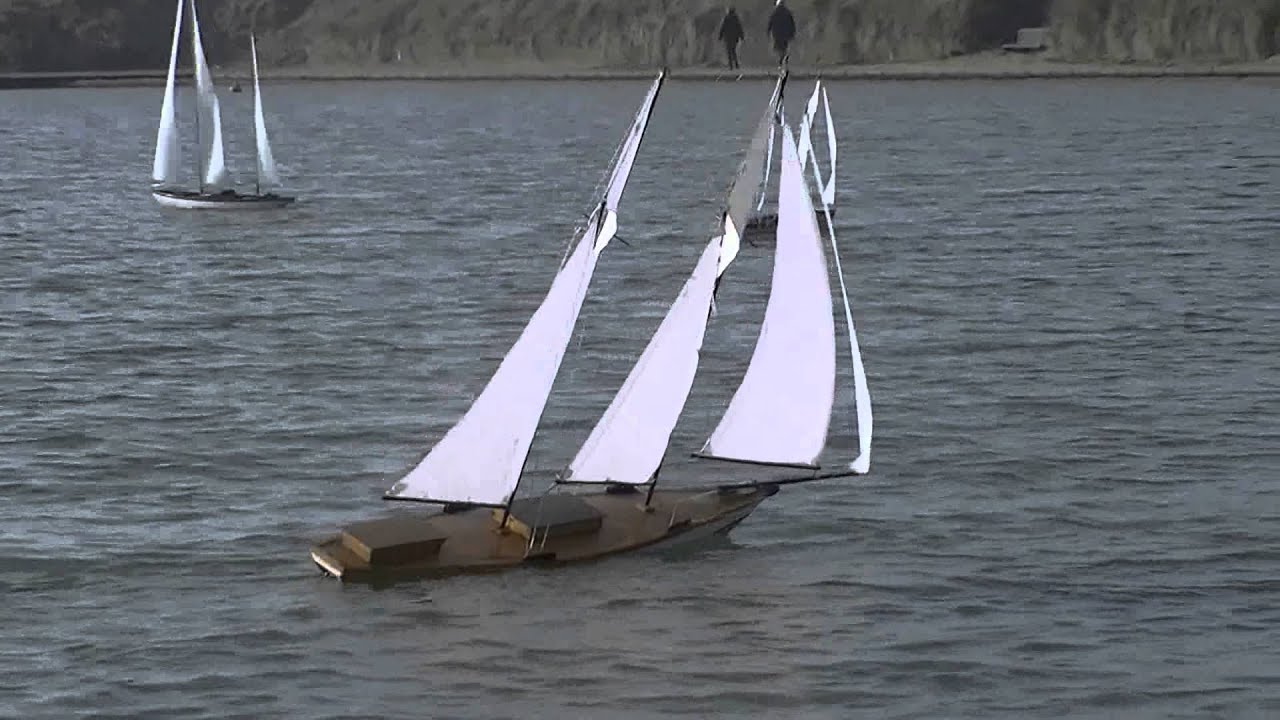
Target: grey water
[(1068, 300)]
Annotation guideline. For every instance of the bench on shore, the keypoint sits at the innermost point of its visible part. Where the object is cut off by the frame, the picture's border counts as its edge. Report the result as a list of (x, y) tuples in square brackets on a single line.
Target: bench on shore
[(1029, 40)]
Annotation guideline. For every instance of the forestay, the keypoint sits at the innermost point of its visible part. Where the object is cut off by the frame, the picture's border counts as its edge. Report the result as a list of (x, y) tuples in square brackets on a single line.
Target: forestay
[(481, 458), (628, 443), (164, 171), (781, 411), (266, 161), (210, 113)]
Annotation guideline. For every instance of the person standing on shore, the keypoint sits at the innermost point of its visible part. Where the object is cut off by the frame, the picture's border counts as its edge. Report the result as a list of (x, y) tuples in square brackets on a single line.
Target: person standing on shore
[(731, 34), (782, 28)]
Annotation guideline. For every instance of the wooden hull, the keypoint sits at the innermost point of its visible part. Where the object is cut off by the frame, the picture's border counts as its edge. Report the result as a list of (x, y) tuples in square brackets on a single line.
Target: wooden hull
[(412, 546), (187, 200)]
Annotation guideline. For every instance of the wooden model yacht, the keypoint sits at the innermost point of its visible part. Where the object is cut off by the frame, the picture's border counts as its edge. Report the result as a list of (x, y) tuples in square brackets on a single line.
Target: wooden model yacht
[(607, 500)]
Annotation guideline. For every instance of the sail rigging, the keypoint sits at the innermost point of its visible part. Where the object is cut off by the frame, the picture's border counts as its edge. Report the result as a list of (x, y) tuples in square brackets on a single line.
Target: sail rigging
[(266, 161), (751, 178), (781, 411), (165, 168), (215, 172), (481, 458)]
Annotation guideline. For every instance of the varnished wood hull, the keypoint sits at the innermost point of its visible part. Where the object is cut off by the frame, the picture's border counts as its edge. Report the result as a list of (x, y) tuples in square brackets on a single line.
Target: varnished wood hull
[(472, 542)]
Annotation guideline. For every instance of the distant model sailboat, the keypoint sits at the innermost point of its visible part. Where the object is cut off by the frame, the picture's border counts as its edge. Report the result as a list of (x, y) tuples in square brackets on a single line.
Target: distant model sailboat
[(778, 418), (213, 177), (762, 144)]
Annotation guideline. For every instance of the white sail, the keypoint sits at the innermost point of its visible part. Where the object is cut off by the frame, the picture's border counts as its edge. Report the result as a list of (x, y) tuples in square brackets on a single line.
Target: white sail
[(267, 174), (481, 458), (805, 144), (165, 168), (861, 395), (628, 443), (782, 409), (829, 189), (751, 179), (215, 162)]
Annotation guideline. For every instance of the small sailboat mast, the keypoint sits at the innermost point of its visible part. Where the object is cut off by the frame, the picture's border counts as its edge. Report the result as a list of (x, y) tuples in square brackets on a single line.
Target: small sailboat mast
[(480, 460)]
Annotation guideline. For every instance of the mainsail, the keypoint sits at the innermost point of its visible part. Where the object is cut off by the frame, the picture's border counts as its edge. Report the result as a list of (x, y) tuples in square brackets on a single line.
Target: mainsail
[(266, 162), (781, 411), (751, 178), (628, 443), (165, 168), (481, 458), (210, 113)]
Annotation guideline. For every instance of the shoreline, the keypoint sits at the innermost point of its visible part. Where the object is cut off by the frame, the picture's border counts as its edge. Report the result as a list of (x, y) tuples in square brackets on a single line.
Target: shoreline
[(967, 68)]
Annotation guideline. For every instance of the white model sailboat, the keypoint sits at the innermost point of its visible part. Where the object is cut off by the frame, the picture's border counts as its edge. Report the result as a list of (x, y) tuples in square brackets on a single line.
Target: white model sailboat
[(778, 417), (213, 177), (760, 218)]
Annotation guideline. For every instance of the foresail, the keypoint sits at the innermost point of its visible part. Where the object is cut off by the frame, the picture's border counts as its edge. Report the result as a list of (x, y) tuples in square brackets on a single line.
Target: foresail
[(628, 443), (861, 394), (267, 174), (481, 458), (165, 168), (751, 177), (781, 411), (214, 159)]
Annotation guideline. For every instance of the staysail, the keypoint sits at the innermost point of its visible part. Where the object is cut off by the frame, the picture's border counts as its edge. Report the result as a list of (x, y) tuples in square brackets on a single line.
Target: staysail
[(210, 113), (750, 179), (481, 458), (628, 443), (266, 161), (164, 171), (781, 411), (829, 189)]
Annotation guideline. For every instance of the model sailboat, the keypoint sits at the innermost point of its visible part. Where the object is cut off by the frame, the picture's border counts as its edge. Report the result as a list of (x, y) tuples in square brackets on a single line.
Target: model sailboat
[(763, 143), (213, 177), (778, 418)]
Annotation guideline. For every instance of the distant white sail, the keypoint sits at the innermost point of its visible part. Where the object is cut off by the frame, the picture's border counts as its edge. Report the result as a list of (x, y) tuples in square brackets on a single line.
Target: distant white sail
[(267, 174), (215, 167), (782, 409), (805, 144), (165, 169), (481, 458), (829, 189), (628, 443), (751, 178), (861, 395)]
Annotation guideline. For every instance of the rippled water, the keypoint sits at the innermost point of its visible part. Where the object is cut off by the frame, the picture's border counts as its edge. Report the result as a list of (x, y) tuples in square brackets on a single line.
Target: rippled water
[(1069, 309)]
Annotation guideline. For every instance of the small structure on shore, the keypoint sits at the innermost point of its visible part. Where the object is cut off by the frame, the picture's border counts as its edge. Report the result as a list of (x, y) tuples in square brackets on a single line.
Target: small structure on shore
[(1029, 40)]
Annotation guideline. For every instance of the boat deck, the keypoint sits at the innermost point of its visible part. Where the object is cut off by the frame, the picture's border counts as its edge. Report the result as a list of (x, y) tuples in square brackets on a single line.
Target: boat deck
[(411, 545)]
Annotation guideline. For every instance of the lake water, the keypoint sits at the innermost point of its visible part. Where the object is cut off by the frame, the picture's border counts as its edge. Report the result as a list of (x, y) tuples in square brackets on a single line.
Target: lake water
[(1068, 299)]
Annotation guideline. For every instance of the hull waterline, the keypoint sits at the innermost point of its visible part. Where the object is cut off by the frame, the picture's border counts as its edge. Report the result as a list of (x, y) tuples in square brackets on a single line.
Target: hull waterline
[(222, 201), (439, 545)]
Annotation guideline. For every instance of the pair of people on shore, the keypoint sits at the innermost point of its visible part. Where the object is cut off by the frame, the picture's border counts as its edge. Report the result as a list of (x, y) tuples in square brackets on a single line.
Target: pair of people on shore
[(781, 28)]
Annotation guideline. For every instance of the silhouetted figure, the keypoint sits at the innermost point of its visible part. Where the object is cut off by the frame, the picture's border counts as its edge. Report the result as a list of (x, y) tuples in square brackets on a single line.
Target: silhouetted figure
[(782, 28), (731, 34)]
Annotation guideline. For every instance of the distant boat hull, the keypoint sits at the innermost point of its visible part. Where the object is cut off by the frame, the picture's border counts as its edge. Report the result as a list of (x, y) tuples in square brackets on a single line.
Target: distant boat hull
[(405, 547), (769, 221), (188, 200)]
